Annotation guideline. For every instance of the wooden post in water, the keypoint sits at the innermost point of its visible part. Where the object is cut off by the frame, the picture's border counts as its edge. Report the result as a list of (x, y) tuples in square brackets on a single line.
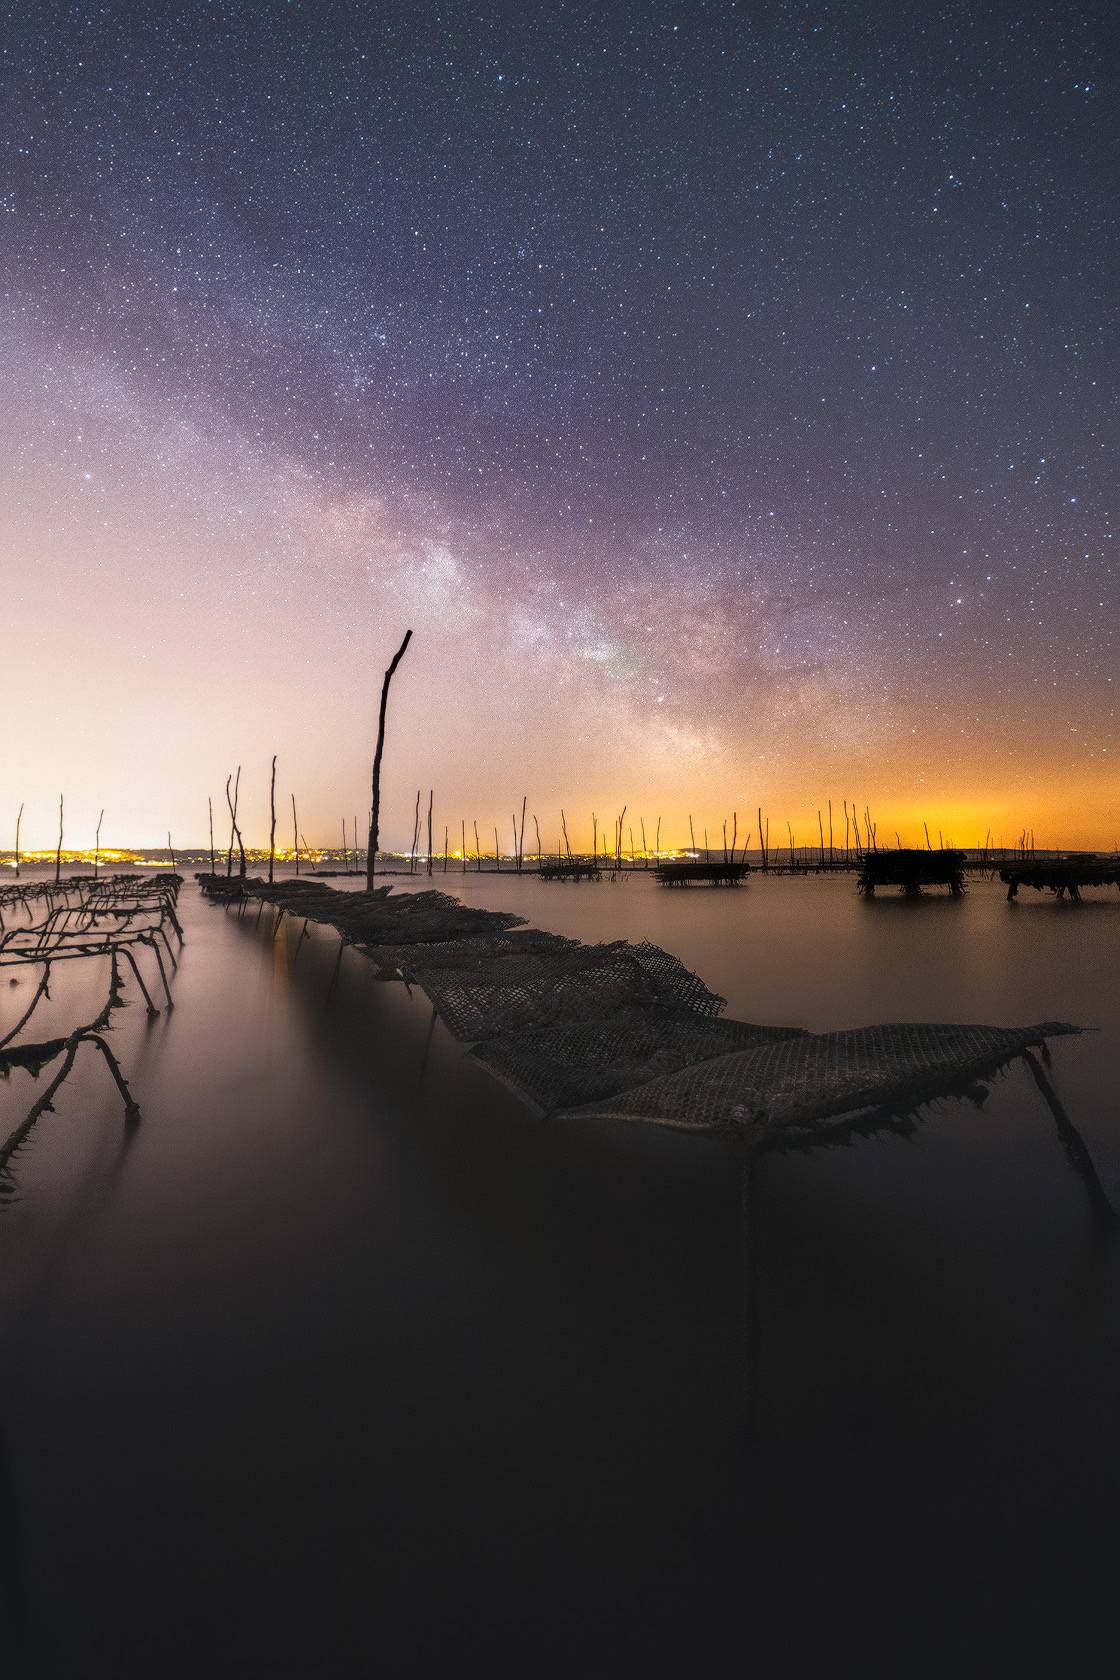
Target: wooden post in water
[(645, 848), (229, 854), (537, 827), (431, 798), (272, 830), (463, 841), (19, 819), (295, 834), (97, 844), (445, 848), (477, 850), (830, 854), (657, 842), (691, 831), (521, 836), (820, 825), (618, 838), (58, 854), (171, 849), (564, 826), (415, 836), (210, 809), (375, 812), (497, 854)]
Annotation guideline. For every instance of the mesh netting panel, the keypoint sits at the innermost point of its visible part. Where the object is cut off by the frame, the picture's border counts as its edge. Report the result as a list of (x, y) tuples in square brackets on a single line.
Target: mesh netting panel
[(577, 1062), (508, 993), (672, 981), (378, 919), (464, 953), (800, 1080)]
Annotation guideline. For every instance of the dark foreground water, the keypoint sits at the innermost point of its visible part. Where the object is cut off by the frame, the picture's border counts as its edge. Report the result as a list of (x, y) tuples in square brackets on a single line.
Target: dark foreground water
[(340, 1362)]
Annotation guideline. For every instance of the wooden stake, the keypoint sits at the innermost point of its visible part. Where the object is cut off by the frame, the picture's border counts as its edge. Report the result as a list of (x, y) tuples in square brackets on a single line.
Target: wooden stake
[(58, 854), (431, 797), (272, 830), (375, 815), (97, 845), (19, 819), (295, 842)]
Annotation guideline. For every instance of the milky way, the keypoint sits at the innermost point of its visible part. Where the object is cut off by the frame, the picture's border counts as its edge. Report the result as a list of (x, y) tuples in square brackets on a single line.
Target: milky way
[(725, 396)]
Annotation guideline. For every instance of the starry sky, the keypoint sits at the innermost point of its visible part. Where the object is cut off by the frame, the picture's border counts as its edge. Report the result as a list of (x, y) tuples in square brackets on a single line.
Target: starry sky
[(724, 394)]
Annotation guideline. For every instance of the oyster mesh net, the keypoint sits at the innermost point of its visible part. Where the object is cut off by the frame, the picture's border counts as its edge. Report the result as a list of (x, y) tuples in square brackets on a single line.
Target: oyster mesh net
[(626, 1031), (576, 1062), (806, 1078), (583, 983)]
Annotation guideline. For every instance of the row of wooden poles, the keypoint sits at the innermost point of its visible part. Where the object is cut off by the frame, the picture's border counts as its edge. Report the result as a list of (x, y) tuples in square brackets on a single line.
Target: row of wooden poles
[(864, 841)]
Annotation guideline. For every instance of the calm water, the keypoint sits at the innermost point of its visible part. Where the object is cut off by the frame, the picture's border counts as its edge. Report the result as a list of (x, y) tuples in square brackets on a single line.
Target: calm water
[(341, 1360)]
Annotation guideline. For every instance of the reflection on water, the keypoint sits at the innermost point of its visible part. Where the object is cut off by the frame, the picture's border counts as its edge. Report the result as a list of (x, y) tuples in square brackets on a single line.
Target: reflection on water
[(347, 1352)]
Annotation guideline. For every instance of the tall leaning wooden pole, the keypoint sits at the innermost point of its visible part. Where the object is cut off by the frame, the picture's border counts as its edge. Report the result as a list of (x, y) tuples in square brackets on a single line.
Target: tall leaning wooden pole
[(375, 812)]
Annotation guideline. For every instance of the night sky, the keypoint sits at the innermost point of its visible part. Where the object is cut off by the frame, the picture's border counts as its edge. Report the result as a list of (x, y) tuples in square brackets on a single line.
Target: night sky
[(725, 395)]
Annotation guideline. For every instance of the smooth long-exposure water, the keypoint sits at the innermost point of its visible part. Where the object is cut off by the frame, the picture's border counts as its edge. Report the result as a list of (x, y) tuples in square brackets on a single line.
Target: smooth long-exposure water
[(340, 1359)]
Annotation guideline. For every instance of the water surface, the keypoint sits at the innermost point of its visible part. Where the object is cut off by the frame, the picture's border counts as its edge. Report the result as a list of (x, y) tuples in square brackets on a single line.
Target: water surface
[(341, 1358)]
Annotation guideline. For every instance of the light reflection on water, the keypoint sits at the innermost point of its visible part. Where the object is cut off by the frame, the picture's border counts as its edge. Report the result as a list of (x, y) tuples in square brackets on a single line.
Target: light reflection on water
[(349, 1350)]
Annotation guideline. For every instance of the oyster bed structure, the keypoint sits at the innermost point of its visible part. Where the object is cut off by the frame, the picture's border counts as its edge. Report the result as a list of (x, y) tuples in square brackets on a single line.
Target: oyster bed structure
[(625, 1031), (117, 922)]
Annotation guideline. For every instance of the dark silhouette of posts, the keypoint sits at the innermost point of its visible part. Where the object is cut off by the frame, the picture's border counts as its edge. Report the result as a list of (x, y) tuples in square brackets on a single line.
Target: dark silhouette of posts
[(272, 830), (295, 833), (58, 853), (210, 810), (234, 831), (19, 819), (97, 844), (375, 814)]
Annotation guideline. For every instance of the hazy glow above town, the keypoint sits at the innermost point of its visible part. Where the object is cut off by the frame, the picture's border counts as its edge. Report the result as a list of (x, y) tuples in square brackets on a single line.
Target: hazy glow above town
[(753, 461)]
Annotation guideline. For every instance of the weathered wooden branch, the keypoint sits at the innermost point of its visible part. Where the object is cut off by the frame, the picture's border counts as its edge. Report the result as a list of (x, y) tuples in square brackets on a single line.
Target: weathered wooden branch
[(58, 854), (272, 830), (375, 815)]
